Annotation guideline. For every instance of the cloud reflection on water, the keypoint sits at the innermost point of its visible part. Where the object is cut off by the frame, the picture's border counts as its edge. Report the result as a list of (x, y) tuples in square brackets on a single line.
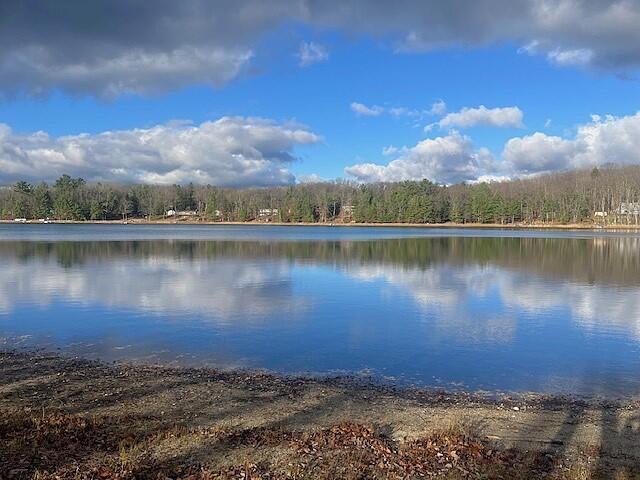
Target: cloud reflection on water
[(223, 290)]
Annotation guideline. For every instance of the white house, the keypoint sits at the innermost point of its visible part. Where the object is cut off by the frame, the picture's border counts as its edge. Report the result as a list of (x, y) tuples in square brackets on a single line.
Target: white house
[(267, 212), (181, 213), (629, 208)]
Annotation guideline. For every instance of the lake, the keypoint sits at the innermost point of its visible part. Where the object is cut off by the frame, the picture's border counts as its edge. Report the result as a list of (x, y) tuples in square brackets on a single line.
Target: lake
[(541, 311)]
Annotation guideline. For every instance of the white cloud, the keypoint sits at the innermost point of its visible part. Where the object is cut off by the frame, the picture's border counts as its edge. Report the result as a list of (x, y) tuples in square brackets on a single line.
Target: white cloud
[(580, 56), (452, 158), (231, 151), (310, 178), (560, 56), (438, 108), (538, 153), (609, 140), (310, 53), (403, 112), (389, 150), (364, 110), (448, 159), (505, 117)]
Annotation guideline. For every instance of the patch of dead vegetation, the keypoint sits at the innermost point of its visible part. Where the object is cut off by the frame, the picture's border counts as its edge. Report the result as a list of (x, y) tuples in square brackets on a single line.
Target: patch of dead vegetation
[(56, 445)]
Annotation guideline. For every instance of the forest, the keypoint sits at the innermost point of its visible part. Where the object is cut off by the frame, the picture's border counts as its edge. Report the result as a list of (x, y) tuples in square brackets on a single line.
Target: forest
[(608, 194)]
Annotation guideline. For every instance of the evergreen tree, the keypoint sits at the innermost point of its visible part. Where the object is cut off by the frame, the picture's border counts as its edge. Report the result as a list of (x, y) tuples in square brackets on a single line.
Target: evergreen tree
[(211, 208), (66, 203), (42, 204)]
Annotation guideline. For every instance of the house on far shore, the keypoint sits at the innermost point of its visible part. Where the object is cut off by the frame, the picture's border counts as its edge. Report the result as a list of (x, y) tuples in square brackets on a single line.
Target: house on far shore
[(267, 214), (181, 213), (346, 212), (629, 208)]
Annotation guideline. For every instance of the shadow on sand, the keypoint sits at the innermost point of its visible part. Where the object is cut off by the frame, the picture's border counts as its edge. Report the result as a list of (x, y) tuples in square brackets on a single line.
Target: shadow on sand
[(62, 416)]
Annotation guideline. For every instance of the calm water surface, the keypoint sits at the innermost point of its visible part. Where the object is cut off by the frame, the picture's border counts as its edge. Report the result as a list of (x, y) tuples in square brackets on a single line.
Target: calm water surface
[(555, 312)]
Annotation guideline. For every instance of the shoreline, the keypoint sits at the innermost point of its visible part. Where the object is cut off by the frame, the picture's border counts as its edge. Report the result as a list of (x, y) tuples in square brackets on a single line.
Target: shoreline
[(208, 420), (444, 226)]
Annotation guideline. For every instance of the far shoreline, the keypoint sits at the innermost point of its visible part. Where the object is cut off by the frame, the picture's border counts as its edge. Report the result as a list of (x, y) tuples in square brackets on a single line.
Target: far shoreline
[(443, 226)]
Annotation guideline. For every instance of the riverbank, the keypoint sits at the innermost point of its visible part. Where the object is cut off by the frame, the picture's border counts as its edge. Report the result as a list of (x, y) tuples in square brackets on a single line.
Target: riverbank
[(450, 225), (71, 418)]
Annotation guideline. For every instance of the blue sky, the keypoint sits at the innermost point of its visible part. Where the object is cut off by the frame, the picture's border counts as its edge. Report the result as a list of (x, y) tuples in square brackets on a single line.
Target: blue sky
[(556, 83)]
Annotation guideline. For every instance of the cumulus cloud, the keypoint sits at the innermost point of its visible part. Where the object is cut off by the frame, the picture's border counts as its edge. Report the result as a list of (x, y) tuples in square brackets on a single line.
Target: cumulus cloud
[(452, 158), (505, 117), (603, 140), (364, 110), (111, 47), (438, 108), (449, 159), (310, 53), (231, 151)]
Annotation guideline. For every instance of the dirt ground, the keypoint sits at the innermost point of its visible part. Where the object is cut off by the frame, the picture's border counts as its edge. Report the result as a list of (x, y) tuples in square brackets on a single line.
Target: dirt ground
[(72, 418)]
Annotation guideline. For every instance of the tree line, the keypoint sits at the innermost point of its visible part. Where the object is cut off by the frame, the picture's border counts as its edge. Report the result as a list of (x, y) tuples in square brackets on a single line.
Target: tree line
[(604, 195)]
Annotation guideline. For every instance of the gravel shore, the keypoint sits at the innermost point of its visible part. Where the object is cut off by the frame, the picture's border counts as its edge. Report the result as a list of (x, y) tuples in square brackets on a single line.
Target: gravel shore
[(73, 418)]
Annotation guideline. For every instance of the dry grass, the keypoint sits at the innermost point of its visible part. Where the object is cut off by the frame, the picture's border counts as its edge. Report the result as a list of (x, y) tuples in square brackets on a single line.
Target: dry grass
[(55, 445)]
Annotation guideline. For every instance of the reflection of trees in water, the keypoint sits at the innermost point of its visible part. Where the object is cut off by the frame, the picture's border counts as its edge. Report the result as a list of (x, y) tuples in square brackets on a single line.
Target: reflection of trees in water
[(440, 274), (608, 260)]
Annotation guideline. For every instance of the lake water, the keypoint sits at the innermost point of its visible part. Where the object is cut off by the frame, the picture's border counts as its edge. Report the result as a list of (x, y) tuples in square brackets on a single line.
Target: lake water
[(555, 312)]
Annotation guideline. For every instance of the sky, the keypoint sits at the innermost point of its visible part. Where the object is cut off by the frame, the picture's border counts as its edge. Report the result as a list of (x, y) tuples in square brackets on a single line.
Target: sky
[(252, 93)]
